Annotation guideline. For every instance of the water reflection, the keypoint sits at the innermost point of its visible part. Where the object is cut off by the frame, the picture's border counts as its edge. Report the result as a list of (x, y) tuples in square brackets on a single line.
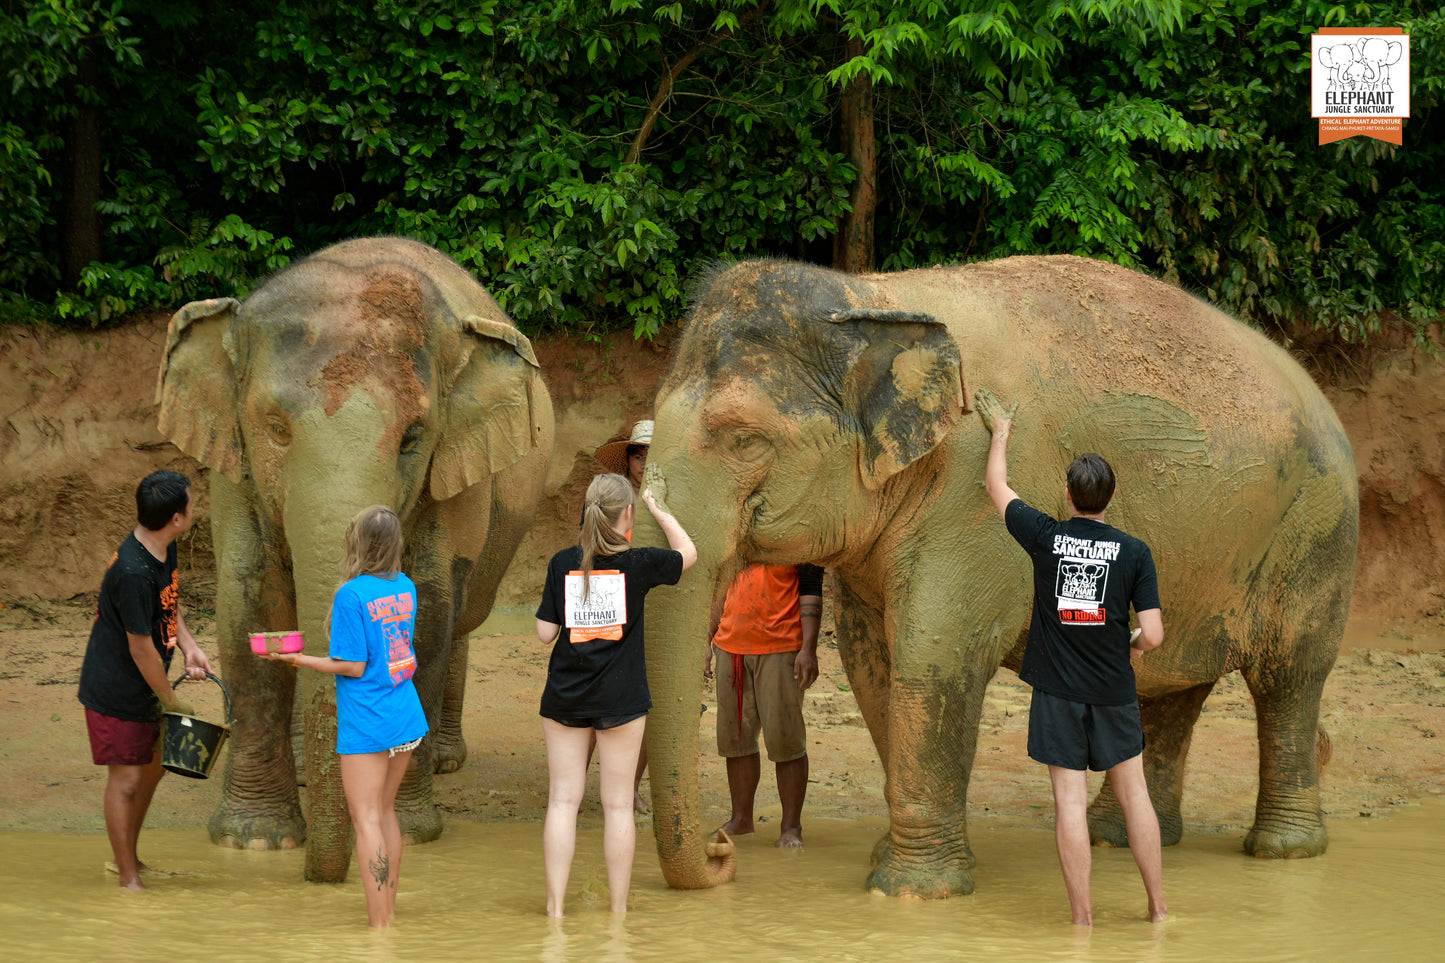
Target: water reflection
[(477, 894)]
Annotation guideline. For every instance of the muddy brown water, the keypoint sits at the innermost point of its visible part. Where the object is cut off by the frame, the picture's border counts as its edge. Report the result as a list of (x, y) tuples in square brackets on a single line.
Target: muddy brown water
[(477, 894)]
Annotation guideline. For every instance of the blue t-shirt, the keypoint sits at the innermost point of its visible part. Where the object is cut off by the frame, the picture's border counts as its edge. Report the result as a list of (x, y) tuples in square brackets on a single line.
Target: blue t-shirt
[(372, 620)]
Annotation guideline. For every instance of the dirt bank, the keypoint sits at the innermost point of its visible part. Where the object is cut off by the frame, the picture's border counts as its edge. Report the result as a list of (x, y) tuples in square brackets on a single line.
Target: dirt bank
[(79, 429)]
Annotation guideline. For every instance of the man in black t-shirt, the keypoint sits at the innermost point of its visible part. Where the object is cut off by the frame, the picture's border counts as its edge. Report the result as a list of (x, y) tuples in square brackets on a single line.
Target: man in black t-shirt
[(1085, 710), (123, 683)]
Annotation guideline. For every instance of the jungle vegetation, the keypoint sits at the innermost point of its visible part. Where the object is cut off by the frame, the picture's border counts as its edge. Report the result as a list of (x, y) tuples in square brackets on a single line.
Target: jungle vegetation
[(583, 158)]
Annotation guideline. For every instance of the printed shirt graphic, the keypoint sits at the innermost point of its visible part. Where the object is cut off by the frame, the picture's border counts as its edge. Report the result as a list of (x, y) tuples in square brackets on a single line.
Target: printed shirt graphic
[(137, 597), (597, 669), (1087, 575), (1081, 578), (395, 615), (597, 607), (372, 621)]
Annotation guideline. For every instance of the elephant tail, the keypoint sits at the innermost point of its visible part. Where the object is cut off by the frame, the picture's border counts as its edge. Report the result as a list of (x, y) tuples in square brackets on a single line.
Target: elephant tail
[(1324, 749)]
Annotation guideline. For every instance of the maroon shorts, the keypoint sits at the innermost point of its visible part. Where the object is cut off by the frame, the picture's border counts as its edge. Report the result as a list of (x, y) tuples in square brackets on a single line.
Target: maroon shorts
[(116, 742)]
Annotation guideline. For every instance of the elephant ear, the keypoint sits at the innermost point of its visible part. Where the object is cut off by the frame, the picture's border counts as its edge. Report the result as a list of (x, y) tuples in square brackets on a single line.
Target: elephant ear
[(196, 389), (492, 418), (904, 387)]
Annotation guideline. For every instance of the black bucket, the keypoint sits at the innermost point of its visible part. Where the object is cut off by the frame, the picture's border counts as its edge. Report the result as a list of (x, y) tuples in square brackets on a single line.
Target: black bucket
[(189, 746)]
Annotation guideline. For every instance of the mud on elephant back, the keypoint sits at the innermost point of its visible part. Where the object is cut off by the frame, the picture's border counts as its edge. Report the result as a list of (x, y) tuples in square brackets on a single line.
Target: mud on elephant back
[(375, 371), (817, 417)]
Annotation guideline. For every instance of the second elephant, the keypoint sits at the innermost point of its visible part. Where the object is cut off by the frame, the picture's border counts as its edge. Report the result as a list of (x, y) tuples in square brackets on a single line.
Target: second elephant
[(817, 417), (375, 371)]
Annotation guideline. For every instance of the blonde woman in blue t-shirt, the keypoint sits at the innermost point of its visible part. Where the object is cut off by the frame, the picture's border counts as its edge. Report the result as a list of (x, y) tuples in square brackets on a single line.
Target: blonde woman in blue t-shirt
[(379, 718)]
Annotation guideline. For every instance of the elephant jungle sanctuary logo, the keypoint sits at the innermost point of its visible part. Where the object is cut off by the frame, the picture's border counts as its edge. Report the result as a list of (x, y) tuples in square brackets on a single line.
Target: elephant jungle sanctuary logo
[(1360, 82)]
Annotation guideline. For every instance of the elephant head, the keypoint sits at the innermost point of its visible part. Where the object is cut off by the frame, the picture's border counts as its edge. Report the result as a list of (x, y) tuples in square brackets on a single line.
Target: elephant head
[(797, 402), (377, 371), (1340, 60)]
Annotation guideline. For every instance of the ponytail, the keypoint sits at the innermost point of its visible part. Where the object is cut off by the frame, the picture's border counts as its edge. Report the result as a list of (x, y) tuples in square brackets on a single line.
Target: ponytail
[(607, 498)]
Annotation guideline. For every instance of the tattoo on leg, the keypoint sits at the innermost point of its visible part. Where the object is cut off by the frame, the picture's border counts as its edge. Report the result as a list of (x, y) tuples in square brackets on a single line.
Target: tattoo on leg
[(380, 869)]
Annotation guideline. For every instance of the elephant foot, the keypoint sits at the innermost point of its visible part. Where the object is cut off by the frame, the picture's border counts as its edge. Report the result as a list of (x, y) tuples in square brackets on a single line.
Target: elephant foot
[(449, 752), (937, 878), (420, 822), (882, 850), (235, 829), (933, 881), (1287, 840)]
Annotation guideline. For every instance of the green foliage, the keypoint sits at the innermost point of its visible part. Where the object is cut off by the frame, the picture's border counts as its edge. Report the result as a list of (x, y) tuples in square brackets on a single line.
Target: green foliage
[(583, 160)]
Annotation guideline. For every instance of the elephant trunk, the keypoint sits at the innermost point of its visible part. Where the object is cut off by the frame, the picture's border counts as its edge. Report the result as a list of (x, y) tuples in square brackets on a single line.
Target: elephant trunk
[(677, 624), (320, 502)]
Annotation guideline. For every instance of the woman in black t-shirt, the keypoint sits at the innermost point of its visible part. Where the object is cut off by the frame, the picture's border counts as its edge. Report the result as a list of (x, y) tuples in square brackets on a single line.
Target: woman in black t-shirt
[(596, 678)]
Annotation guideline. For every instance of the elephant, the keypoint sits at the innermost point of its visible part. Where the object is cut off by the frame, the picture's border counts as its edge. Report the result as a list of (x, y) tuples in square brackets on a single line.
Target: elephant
[(374, 371), (813, 416)]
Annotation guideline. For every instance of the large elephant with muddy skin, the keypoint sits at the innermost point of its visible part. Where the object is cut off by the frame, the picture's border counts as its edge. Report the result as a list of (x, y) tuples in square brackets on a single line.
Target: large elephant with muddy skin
[(375, 371), (817, 417)]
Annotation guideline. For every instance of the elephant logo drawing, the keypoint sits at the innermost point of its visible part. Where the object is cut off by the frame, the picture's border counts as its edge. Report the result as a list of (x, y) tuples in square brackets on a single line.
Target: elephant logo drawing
[(596, 608), (1080, 590)]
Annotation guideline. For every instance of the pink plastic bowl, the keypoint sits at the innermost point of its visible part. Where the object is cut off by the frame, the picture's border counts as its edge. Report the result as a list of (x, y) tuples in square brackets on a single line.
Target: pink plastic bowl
[(274, 642)]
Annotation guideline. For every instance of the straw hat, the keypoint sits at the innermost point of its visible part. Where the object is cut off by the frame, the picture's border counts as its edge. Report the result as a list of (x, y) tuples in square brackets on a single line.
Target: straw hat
[(613, 455)]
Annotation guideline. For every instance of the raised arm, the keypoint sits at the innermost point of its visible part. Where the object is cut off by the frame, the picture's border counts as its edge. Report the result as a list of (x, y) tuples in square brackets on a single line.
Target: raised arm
[(677, 539), (998, 420)]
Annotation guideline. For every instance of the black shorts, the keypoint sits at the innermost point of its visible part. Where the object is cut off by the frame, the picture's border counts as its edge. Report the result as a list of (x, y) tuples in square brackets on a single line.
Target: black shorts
[(601, 722), (1076, 735)]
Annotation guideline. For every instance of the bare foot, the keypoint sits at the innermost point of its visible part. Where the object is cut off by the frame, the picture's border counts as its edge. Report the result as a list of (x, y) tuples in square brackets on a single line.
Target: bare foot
[(1158, 914), (134, 885), (111, 867), (737, 826), (790, 838)]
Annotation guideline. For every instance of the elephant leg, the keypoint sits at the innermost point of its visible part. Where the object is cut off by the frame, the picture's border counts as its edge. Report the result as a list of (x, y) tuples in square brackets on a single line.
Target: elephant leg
[(416, 813), (940, 671), (1287, 820), (863, 650), (931, 748), (1168, 730), (449, 748), (260, 807)]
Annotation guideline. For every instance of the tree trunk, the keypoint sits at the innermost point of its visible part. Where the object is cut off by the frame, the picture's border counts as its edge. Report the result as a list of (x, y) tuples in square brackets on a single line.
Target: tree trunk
[(853, 244), (81, 232)]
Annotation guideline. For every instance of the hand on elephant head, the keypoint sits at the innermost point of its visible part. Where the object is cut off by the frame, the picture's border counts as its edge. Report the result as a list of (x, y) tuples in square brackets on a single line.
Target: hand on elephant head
[(992, 411)]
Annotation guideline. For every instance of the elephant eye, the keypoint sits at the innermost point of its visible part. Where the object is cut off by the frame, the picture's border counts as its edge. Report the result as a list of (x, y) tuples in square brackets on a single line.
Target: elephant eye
[(278, 429), (412, 439), (748, 446)]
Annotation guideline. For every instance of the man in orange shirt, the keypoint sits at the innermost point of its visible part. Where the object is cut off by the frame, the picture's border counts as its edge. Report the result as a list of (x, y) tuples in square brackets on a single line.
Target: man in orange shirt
[(768, 631)]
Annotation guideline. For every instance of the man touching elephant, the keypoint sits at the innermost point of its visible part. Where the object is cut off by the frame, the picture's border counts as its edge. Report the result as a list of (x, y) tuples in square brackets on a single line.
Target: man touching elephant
[(1085, 710)]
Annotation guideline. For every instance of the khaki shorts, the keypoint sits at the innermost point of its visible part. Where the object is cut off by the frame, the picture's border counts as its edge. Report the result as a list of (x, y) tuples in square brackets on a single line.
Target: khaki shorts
[(772, 704)]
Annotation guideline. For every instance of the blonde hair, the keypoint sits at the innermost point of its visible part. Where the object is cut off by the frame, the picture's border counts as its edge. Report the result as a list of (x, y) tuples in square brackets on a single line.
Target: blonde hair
[(373, 544), (607, 498)]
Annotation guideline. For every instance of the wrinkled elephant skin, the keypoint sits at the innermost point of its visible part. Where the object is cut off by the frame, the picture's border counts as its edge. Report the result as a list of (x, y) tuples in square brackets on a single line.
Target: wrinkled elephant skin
[(376, 371), (817, 417)]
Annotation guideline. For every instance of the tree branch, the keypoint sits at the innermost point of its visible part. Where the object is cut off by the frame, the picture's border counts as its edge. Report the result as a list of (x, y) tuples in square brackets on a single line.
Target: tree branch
[(669, 78)]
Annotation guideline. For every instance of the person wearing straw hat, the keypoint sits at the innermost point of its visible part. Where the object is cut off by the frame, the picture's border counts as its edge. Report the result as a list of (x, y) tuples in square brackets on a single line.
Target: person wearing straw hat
[(628, 456)]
